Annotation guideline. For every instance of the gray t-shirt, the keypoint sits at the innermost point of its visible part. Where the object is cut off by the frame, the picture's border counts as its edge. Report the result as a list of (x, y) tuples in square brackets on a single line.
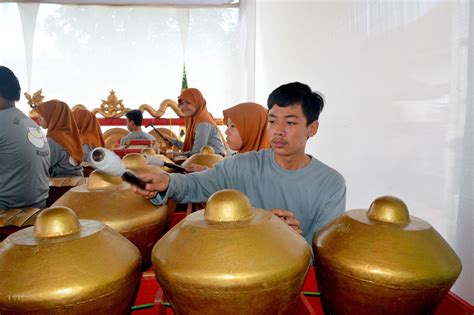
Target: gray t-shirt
[(206, 134), (316, 194), (137, 135), (24, 161), (62, 164), (87, 149)]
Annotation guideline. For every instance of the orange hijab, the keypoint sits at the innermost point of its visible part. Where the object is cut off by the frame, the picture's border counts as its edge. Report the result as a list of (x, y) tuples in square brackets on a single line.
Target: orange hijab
[(195, 98), (250, 119), (89, 128), (62, 127)]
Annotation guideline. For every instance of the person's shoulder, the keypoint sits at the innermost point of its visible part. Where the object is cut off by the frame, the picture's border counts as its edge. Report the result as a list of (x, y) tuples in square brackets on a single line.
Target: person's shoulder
[(327, 170), (204, 125), (247, 157)]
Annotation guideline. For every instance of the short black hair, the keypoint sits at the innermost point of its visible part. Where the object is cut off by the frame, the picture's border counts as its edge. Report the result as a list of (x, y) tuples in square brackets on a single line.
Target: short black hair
[(295, 93), (136, 116), (9, 86)]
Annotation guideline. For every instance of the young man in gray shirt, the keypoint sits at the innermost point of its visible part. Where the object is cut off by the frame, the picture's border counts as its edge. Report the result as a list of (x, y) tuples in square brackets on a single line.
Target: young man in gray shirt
[(24, 151), (301, 190), (134, 125)]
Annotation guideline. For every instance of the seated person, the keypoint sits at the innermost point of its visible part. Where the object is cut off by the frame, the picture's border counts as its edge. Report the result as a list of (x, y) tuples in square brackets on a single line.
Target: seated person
[(246, 130), (246, 127), (301, 190), (134, 125), (89, 131), (63, 138), (201, 130), (24, 151)]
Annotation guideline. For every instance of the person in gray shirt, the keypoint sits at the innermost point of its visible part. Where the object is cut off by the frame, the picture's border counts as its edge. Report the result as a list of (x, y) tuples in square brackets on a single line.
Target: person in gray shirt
[(24, 151), (303, 191), (134, 125), (201, 130)]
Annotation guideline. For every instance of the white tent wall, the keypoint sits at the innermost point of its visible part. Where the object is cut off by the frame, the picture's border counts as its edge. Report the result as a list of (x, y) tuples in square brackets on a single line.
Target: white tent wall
[(395, 78), (79, 53)]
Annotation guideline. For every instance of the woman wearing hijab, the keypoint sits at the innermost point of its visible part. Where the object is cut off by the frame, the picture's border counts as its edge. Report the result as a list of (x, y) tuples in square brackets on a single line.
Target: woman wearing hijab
[(89, 131), (201, 130), (63, 139), (246, 130), (246, 127)]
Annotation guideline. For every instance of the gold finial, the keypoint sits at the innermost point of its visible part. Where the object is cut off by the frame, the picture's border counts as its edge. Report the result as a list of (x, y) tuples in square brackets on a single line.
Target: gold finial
[(112, 107), (207, 150), (389, 209), (55, 222), (36, 99), (134, 161), (228, 205)]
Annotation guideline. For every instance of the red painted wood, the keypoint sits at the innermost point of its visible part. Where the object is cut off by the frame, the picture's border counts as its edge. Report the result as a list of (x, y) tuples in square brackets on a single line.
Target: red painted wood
[(145, 122)]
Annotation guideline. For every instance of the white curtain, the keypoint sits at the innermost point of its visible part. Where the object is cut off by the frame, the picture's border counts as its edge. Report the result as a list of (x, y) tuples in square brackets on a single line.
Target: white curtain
[(398, 116), (80, 53)]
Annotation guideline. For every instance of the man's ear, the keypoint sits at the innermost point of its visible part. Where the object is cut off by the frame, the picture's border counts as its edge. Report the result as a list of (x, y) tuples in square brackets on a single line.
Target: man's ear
[(313, 128)]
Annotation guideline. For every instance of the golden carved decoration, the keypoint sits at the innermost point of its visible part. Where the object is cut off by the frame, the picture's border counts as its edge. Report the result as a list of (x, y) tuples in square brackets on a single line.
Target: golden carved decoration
[(161, 109), (79, 106), (112, 107), (36, 99)]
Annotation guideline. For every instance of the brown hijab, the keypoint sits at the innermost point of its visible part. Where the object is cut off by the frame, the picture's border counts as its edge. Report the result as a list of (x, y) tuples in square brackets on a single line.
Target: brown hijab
[(89, 128), (250, 119), (195, 98), (62, 127)]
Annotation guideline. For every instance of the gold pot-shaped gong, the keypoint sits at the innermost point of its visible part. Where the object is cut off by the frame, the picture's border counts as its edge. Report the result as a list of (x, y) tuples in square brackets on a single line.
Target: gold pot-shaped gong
[(107, 199), (231, 259), (206, 158), (63, 265), (137, 163), (383, 261)]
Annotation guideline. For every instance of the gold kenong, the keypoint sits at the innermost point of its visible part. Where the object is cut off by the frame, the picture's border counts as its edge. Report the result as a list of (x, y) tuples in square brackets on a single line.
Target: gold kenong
[(231, 259), (206, 157), (383, 261), (63, 265), (107, 199)]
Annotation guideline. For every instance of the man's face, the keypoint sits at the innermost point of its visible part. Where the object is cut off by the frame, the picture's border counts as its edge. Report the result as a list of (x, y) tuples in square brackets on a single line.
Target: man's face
[(287, 130), (130, 124)]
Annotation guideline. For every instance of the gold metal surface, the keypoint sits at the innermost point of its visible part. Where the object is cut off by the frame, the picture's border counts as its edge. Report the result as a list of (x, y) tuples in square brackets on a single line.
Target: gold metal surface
[(36, 99), (134, 161), (92, 271), (228, 206), (98, 180), (78, 106), (256, 265), (112, 107), (113, 203), (205, 158), (18, 217), (67, 181), (389, 209), (57, 221), (137, 162), (113, 135), (383, 261), (167, 103), (148, 151), (159, 140), (207, 150)]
